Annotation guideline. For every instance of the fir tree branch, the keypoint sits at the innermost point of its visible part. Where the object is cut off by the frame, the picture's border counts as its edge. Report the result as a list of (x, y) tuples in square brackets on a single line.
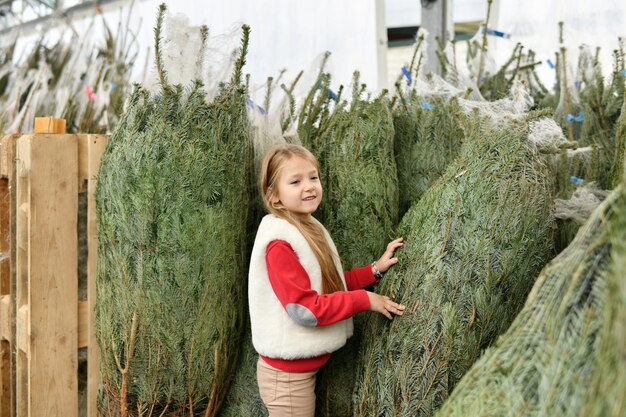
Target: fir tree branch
[(158, 43)]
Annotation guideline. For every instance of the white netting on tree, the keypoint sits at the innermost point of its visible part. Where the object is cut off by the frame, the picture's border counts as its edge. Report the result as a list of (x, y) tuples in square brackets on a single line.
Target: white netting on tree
[(268, 108), (501, 112), (183, 49), (76, 72), (192, 52), (29, 92), (569, 110), (458, 71), (582, 203), (586, 151), (481, 63), (547, 135), (459, 83)]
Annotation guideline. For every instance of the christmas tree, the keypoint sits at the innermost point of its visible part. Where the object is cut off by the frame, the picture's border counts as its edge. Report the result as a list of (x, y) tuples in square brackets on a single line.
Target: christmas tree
[(172, 202)]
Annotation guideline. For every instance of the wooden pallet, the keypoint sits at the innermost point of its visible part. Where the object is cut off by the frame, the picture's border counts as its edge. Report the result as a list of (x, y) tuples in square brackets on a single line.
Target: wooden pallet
[(41, 320), (7, 276)]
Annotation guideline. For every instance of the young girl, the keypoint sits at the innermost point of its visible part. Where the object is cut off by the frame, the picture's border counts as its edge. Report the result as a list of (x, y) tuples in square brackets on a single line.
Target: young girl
[(301, 301)]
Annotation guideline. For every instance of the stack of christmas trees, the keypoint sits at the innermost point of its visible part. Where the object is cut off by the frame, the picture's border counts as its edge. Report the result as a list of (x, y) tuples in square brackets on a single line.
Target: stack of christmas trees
[(474, 244), (172, 202), (564, 353), (360, 207), (75, 79), (428, 136), (477, 183)]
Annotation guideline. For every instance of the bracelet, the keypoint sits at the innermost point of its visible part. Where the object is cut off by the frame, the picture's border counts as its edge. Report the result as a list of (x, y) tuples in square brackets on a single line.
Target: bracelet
[(377, 273)]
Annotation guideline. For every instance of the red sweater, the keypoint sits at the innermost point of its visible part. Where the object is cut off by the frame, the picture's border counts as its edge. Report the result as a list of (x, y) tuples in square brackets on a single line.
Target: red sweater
[(291, 285)]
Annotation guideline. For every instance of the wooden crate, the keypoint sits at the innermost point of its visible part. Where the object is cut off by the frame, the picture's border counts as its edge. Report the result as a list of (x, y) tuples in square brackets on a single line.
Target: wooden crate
[(41, 319)]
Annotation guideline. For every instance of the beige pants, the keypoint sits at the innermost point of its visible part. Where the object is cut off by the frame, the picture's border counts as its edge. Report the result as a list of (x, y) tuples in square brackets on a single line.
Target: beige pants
[(286, 394)]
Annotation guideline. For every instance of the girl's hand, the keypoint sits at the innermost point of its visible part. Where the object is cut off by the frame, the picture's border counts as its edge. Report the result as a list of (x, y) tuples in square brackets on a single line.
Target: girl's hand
[(384, 305), (385, 261)]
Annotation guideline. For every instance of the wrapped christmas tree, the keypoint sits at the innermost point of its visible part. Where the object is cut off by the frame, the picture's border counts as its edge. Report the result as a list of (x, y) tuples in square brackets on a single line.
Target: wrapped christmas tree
[(427, 129), (620, 147), (361, 186), (172, 203), (606, 398), (588, 110), (568, 337), (243, 398), (475, 241), (354, 143), (428, 136), (601, 102), (600, 161)]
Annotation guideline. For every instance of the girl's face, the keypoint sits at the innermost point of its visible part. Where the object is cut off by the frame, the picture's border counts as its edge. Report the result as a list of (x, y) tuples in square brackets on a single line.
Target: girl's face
[(298, 186)]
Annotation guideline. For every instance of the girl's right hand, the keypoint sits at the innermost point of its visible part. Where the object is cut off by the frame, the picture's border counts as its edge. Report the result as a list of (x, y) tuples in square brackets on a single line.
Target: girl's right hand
[(384, 305)]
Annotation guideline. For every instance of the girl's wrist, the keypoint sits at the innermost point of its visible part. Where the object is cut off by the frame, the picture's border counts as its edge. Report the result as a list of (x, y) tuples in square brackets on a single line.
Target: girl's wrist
[(377, 273)]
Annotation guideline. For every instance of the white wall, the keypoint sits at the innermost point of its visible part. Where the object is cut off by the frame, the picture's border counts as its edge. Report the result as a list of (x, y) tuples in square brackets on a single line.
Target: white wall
[(291, 34), (534, 23), (284, 34)]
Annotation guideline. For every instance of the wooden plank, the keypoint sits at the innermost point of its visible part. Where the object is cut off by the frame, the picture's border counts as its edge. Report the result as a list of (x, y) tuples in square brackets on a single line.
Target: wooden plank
[(4, 158), (7, 149), (50, 197), (22, 333), (53, 289), (20, 249), (6, 357), (5, 236), (6, 388), (53, 276), (49, 125), (96, 146), (22, 218), (13, 254), (6, 315), (6, 305), (5, 270)]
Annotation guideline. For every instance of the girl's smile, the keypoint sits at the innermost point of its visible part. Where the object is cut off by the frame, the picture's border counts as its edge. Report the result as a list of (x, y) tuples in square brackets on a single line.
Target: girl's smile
[(298, 187)]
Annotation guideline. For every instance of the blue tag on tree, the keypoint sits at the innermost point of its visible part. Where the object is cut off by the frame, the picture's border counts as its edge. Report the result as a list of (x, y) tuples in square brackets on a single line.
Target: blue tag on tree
[(407, 74)]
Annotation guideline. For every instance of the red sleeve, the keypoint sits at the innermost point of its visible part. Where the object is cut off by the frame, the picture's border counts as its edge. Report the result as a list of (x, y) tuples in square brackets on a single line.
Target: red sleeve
[(358, 278), (304, 305)]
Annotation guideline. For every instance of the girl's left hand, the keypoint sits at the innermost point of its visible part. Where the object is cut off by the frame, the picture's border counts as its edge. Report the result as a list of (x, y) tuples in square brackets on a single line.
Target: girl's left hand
[(387, 260)]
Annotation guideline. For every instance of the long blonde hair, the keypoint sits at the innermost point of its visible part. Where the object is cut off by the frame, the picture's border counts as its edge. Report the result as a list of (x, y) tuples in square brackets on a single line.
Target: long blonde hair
[(312, 231)]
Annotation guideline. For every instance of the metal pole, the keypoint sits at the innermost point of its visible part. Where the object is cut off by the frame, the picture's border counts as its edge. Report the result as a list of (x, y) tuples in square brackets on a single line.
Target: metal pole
[(75, 12), (437, 20), (381, 47)]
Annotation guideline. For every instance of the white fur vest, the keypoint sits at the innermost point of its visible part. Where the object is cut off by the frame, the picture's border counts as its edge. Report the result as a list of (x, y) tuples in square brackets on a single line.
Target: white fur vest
[(274, 333)]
